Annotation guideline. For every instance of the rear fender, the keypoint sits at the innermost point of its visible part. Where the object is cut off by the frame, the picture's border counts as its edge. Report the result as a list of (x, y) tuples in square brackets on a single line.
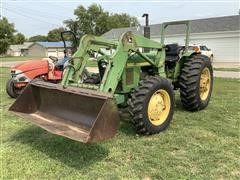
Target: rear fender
[(185, 57)]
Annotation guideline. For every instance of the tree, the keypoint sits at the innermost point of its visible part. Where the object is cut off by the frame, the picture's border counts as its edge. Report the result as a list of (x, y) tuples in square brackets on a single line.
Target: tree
[(6, 35), (95, 20), (37, 38), (55, 34), (19, 38), (121, 20)]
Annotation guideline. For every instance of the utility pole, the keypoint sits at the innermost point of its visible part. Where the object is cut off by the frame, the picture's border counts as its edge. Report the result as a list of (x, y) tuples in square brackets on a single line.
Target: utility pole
[(1, 9)]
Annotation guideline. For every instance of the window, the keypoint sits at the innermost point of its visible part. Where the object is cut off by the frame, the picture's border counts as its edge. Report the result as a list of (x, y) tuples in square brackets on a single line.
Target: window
[(206, 48), (203, 48)]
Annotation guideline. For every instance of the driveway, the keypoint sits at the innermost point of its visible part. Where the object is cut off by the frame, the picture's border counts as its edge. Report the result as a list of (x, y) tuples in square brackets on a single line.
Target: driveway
[(226, 74)]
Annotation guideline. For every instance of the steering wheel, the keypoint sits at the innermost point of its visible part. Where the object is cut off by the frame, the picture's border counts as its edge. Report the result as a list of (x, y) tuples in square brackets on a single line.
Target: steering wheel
[(53, 58)]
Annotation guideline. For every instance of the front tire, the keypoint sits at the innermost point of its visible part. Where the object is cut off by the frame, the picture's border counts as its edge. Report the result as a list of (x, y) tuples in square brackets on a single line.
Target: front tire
[(196, 82), (152, 105), (11, 90)]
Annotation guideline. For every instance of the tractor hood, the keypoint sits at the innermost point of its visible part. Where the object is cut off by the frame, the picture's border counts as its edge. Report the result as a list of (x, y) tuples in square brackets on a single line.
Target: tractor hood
[(31, 66)]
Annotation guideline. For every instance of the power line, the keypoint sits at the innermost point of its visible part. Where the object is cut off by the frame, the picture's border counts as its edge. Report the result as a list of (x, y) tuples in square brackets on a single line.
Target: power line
[(50, 14), (33, 14), (30, 17)]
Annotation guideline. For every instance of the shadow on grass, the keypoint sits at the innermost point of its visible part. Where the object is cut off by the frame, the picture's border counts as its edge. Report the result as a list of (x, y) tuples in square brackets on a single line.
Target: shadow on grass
[(72, 153), (178, 105), (127, 128)]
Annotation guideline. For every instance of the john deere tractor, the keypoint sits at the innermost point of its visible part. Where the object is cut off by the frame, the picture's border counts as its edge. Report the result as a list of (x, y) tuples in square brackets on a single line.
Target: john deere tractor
[(87, 111)]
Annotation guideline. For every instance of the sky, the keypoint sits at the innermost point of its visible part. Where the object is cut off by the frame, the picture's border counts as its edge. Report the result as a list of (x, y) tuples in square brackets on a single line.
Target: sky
[(40, 16)]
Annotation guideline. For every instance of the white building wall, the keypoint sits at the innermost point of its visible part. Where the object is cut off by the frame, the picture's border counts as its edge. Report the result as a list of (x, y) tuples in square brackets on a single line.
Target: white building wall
[(225, 45), (57, 52)]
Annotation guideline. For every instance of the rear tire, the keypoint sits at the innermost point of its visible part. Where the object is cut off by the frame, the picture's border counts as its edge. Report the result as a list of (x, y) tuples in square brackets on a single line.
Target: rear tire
[(152, 105), (196, 83), (11, 90)]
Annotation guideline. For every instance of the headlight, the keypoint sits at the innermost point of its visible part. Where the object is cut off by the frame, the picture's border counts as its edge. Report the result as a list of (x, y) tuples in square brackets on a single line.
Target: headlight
[(13, 71)]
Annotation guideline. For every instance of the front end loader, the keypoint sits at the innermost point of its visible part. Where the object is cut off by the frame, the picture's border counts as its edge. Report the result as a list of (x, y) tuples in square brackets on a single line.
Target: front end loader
[(143, 82)]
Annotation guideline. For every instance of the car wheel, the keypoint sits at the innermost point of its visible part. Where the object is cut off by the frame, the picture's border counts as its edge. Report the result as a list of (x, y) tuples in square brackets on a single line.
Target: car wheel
[(12, 91)]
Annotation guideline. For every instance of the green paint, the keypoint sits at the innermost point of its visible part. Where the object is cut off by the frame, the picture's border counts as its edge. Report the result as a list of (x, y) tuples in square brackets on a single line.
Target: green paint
[(124, 69), (120, 98)]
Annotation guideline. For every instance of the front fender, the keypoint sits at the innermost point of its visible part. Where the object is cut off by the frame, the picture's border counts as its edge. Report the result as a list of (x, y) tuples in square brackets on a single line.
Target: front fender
[(31, 69)]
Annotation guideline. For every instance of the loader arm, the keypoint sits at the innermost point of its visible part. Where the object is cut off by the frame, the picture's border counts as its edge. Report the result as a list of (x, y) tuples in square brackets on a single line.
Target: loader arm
[(78, 62), (128, 43)]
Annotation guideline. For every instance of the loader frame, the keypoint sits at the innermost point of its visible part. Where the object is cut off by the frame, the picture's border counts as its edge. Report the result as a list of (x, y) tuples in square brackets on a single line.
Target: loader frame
[(118, 64), (126, 63)]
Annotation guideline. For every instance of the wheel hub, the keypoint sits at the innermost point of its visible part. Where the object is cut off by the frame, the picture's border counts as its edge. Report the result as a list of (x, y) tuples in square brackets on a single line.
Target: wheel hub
[(159, 107), (205, 81)]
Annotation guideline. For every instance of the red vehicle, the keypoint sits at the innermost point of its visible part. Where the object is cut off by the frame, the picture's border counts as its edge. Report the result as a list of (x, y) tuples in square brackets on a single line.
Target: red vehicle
[(48, 70), (22, 74)]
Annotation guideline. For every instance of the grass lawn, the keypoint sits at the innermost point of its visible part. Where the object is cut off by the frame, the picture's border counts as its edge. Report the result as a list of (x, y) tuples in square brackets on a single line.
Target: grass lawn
[(197, 145), (227, 69), (18, 58)]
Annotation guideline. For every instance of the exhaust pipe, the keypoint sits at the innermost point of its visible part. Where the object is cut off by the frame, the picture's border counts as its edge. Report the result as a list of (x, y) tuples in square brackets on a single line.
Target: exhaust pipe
[(146, 30)]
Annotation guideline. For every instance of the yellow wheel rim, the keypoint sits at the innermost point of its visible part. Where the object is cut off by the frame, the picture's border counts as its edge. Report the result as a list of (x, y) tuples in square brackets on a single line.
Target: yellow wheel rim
[(205, 83), (159, 107)]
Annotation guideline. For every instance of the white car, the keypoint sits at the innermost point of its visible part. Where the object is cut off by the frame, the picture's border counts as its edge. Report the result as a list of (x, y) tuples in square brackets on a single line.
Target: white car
[(203, 49)]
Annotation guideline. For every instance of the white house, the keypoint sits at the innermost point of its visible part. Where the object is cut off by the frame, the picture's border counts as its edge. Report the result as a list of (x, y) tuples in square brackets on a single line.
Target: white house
[(41, 49), (19, 49), (221, 34), (46, 49)]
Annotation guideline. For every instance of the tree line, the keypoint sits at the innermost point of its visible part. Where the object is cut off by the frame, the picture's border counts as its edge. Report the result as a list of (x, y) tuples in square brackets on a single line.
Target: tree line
[(91, 20)]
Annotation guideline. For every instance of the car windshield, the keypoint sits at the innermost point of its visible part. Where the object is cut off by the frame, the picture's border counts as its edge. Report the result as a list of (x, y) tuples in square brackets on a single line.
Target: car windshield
[(204, 48)]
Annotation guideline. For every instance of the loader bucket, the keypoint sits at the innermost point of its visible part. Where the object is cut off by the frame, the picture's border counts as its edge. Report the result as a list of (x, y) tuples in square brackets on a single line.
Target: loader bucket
[(79, 114)]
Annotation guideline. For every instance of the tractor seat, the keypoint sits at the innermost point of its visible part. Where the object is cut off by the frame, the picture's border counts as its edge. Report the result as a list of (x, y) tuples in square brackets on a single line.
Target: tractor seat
[(172, 52)]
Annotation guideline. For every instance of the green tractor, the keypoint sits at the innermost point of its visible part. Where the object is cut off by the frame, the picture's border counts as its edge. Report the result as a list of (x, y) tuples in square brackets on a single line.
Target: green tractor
[(88, 111)]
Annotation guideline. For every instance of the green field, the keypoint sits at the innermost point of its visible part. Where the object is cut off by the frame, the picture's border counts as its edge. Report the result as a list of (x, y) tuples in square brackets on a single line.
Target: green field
[(199, 145)]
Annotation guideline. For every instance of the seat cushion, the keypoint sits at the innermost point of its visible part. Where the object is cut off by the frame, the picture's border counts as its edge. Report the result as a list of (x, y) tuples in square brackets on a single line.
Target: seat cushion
[(172, 50)]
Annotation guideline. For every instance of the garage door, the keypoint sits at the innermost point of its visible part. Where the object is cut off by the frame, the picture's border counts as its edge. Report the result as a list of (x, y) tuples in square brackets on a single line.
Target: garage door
[(225, 49), (225, 46), (52, 53), (61, 54)]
